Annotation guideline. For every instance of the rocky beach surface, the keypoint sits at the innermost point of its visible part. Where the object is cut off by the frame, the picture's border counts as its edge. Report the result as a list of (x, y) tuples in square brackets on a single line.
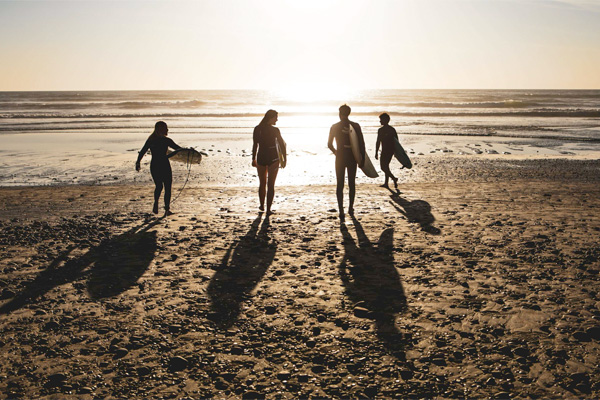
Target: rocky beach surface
[(476, 279)]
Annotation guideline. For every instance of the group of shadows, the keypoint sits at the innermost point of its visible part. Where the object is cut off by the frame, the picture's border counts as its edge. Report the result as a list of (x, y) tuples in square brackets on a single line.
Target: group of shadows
[(367, 269)]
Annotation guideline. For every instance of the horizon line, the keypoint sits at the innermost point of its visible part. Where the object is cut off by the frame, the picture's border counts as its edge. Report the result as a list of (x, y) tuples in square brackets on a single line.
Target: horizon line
[(274, 90)]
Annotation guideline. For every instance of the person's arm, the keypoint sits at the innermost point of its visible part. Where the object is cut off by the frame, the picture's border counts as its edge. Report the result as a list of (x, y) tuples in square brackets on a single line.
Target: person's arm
[(255, 145), (378, 142), (330, 141), (173, 145), (141, 154)]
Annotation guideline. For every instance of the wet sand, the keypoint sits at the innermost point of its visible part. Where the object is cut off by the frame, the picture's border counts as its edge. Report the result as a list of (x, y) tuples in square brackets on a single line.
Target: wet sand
[(67, 158), (478, 279)]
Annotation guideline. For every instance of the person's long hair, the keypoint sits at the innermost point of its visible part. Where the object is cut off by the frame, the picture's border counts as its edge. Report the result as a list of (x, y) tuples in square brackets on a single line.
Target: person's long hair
[(268, 116), (160, 126)]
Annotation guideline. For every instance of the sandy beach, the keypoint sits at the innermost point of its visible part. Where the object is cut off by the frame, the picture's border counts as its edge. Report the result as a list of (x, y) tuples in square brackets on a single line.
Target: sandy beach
[(478, 279)]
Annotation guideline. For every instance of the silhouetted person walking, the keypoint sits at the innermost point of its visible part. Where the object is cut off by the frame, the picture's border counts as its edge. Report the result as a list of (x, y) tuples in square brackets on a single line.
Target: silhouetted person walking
[(385, 136), (344, 158), (266, 160), (160, 167)]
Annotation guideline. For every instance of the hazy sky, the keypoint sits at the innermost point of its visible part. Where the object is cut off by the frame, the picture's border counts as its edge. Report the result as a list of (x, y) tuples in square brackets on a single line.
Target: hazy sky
[(300, 44)]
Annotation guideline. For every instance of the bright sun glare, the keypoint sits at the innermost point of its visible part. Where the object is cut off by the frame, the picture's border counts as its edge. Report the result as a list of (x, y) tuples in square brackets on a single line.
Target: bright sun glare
[(307, 93)]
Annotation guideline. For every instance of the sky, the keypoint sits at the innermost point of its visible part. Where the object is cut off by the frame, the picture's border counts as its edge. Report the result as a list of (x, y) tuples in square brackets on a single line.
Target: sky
[(299, 45)]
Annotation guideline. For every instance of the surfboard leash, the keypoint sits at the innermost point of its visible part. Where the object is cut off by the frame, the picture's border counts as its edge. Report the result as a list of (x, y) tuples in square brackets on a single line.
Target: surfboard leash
[(188, 164)]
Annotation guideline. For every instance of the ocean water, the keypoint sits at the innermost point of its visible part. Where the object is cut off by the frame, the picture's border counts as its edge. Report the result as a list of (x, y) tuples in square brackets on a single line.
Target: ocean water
[(562, 114), (56, 138)]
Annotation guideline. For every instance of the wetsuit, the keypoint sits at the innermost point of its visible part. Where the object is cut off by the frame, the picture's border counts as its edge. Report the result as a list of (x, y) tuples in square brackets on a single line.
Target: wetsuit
[(386, 135), (344, 156), (344, 159), (265, 136), (160, 167)]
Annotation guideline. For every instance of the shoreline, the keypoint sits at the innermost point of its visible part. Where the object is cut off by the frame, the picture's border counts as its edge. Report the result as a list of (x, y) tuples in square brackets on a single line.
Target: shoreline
[(69, 158)]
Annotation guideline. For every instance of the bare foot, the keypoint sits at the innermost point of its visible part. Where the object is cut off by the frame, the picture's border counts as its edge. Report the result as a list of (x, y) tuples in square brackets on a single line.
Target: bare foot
[(270, 212), (396, 183), (261, 208), (168, 212), (155, 208), (385, 185)]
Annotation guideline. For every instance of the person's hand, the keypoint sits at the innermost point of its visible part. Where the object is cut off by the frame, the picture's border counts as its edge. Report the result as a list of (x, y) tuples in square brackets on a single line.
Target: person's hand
[(376, 156), (254, 163), (137, 166)]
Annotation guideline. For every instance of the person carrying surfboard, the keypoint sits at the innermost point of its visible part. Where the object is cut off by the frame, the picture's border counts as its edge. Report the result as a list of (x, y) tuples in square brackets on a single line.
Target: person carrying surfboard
[(385, 136), (160, 167), (344, 156), (266, 148)]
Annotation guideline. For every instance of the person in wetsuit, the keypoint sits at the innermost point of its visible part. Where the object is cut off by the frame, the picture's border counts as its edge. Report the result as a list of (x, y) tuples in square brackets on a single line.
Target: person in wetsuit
[(385, 136), (265, 157), (160, 167), (344, 158)]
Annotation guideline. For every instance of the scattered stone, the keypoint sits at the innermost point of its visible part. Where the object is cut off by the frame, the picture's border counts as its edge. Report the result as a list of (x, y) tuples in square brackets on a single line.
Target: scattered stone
[(143, 371), (521, 351), (228, 376), (284, 375), (318, 369), (221, 384), (121, 352), (51, 325), (178, 363), (372, 390), (361, 312), (270, 310), (56, 380), (251, 395)]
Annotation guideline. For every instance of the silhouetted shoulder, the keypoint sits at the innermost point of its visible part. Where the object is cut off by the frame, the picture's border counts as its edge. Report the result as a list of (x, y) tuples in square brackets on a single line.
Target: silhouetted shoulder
[(337, 125)]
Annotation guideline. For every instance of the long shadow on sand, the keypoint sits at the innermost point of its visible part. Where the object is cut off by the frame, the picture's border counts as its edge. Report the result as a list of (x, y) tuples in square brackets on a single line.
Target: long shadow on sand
[(115, 265), (242, 268), (418, 211), (372, 281)]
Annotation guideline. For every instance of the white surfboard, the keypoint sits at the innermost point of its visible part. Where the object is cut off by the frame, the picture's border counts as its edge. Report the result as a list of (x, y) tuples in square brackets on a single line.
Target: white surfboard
[(281, 153), (368, 167), (186, 155)]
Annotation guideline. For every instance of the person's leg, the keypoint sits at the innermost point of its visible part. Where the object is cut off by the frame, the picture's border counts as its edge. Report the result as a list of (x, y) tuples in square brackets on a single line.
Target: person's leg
[(271, 177), (340, 170), (262, 185), (351, 186), (385, 167), (158, 184), (168, 183)]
